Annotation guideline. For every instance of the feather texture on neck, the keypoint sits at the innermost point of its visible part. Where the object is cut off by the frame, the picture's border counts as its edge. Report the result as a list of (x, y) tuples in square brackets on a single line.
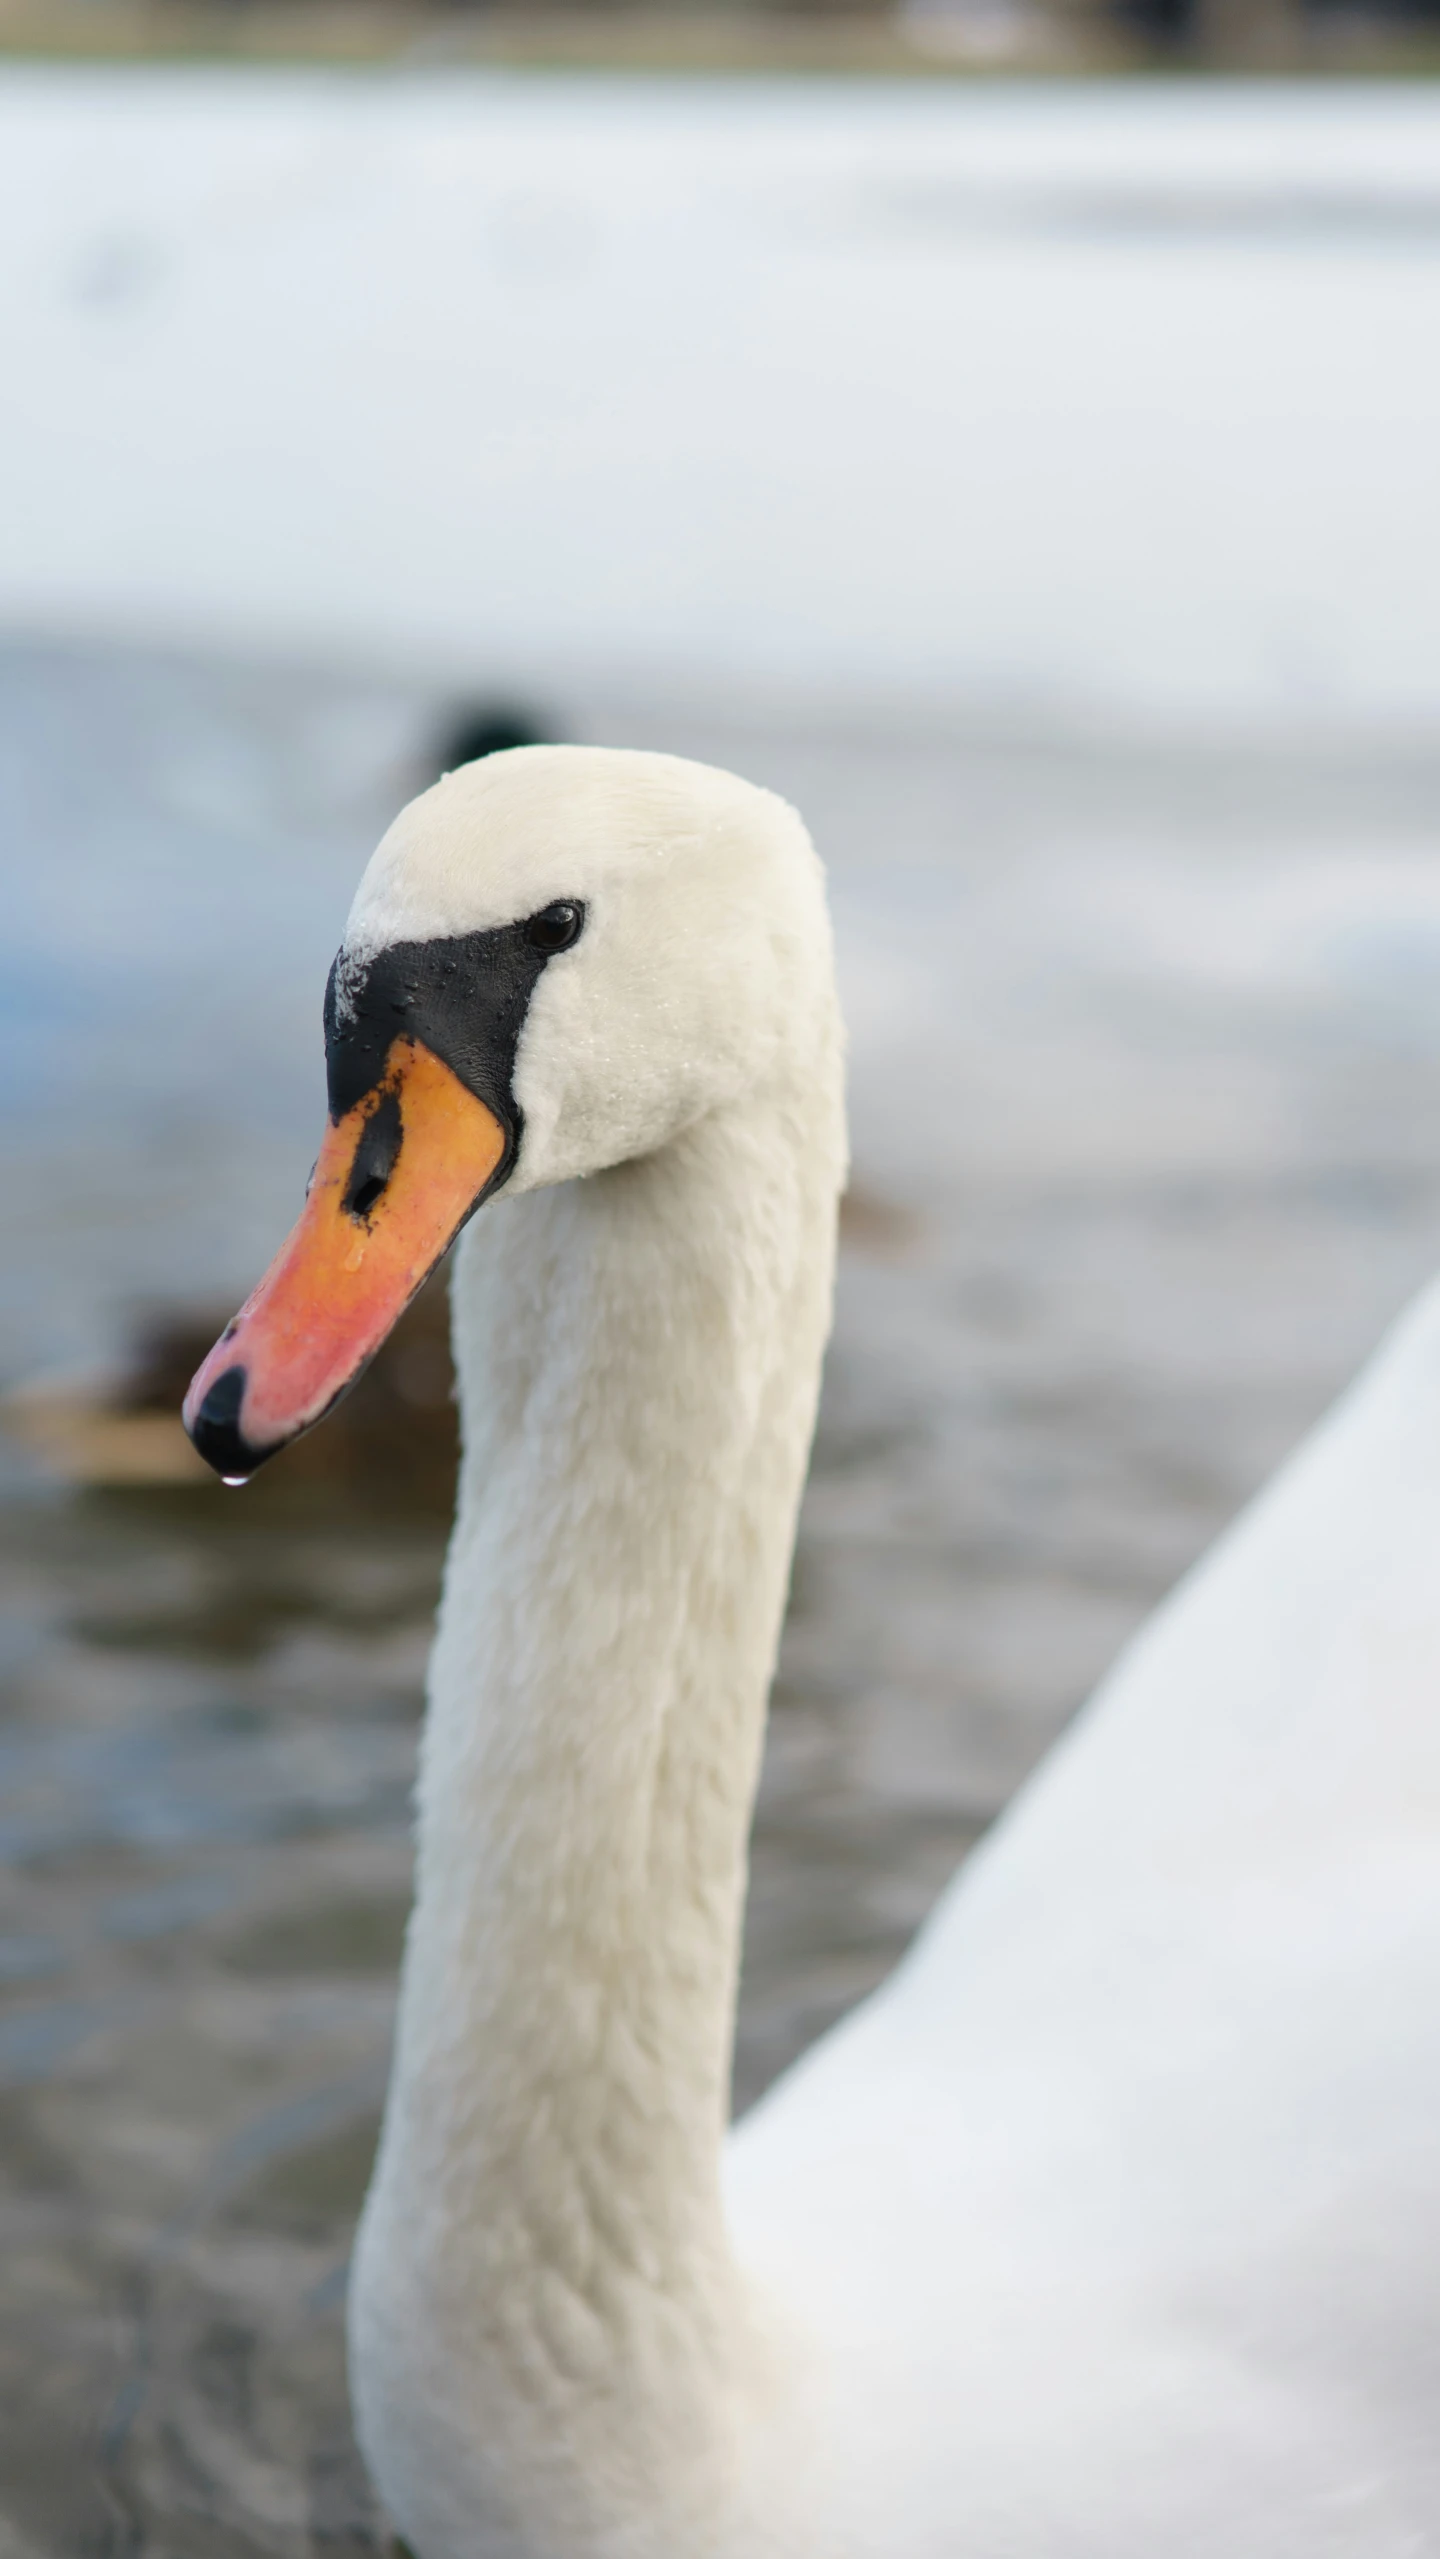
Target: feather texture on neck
[(543, 2272)]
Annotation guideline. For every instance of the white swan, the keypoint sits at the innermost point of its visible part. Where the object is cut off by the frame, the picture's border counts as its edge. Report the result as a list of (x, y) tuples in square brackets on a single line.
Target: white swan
[(1108, 2230)]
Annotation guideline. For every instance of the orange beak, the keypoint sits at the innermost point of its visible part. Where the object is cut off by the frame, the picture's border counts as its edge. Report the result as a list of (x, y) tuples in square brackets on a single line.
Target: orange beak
[(397, 1177)]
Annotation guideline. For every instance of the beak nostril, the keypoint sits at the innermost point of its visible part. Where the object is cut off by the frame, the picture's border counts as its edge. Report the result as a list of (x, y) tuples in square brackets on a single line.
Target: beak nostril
[(375, 1157)]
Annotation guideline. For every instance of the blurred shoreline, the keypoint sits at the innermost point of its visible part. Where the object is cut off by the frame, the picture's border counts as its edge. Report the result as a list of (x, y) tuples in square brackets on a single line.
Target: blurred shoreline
[(934, 39)]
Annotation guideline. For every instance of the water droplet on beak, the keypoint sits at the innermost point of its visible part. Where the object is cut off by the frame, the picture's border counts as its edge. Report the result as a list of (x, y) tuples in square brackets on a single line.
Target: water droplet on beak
[(234, 1480)]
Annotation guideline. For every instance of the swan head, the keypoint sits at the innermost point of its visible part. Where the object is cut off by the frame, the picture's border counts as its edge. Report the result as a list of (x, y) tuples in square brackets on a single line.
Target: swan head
[(557, 960)]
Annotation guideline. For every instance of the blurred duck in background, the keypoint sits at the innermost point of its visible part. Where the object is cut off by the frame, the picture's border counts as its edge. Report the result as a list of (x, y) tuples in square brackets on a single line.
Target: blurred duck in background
[(1111, 2224), (395, 1440)]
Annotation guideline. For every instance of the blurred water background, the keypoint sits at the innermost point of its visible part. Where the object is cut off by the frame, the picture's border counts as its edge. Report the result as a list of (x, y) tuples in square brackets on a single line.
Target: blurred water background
[(1037, 486)]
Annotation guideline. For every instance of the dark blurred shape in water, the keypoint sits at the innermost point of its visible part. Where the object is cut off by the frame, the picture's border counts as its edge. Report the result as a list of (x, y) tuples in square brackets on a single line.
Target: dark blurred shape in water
[(391, 1442), (476, 729)]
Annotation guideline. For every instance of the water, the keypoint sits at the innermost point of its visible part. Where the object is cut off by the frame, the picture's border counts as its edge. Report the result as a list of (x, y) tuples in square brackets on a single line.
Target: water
[(1146, 1081)]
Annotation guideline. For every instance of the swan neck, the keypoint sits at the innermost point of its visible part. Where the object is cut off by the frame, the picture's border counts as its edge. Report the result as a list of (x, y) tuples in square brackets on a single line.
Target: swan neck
[(639, 1358)]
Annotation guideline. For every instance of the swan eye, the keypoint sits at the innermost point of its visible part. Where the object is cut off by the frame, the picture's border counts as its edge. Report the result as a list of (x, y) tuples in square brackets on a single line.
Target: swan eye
[(555, 927)]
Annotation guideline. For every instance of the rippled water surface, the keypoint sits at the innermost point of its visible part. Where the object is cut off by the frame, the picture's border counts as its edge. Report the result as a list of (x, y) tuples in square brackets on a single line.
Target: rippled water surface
[(1146, 1073)]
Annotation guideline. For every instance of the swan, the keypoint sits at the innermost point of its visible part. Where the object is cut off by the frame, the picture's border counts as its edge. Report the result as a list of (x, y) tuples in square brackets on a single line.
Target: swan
[(1110, 2227)]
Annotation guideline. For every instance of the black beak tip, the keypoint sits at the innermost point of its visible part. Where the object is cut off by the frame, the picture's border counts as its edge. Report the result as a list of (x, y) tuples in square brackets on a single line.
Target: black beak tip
[(215, 1429)]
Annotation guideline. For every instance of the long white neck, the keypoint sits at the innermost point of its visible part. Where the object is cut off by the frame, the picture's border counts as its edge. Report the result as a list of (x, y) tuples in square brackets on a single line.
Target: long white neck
[(550, 2346)]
